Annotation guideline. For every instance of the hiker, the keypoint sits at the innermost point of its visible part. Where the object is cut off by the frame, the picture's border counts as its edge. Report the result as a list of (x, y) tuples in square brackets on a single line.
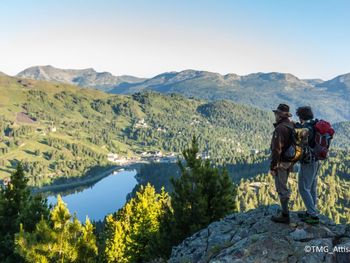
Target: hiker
[(279, 167), (309, 166)]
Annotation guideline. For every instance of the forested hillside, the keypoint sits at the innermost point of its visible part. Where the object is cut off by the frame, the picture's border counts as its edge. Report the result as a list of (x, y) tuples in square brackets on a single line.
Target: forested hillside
[(333, 189), (60, 131), (259, 89), (342, 137)]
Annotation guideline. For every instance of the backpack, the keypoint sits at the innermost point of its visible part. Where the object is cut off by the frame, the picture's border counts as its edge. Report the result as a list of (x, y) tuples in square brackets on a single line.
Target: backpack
[(323, 135), (296, 150)]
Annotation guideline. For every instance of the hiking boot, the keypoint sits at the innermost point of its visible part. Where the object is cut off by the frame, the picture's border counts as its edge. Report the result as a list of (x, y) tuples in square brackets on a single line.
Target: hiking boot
[(312, 220), (302, 214), (282, 218)]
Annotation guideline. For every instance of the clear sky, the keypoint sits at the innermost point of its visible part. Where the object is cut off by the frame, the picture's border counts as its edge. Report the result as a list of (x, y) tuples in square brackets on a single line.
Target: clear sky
[(308, 38)]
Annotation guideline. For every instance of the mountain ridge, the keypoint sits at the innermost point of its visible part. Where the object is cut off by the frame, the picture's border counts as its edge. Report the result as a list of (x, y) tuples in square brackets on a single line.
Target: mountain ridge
[(263, 90), (26, 73), (80, 77)]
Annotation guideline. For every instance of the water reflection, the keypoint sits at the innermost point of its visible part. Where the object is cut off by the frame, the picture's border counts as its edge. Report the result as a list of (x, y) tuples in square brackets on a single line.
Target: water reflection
[(110, 193)]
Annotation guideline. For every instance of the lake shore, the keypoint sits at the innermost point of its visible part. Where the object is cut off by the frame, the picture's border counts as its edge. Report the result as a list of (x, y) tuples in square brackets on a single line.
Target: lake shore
[(91, 178), (74, 182)]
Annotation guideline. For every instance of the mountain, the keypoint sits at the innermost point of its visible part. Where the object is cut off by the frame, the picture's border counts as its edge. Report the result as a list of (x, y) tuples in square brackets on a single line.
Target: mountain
[(60, 130), (252, 237), (2, 74), (313, 82), (80, 77), (340, 84), (263, 90)]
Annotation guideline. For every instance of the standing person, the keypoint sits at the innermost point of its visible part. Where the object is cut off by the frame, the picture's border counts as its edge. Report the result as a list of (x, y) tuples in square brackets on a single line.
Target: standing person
[(309, 166), (280, 168)]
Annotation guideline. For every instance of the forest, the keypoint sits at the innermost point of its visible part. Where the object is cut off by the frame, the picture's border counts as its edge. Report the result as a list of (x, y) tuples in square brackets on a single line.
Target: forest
[(146, 228), (60, 131)]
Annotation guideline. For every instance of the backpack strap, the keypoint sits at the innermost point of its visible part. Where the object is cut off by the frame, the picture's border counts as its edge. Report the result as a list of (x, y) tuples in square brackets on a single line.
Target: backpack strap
[(292, 134)]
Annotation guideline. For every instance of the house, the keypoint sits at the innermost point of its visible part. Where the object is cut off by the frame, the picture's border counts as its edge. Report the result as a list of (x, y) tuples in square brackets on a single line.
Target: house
[(141, 124), (115, 158)]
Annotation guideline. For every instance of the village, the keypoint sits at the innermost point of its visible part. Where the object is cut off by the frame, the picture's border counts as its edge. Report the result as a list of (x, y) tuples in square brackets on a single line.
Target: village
[(142, 157)]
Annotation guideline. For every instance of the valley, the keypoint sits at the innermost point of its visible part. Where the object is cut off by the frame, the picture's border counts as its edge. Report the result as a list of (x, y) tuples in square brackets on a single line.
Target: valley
[(60, 131)]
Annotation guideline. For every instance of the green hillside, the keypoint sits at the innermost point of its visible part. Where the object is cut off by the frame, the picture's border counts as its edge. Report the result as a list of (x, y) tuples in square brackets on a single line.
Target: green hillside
[(60, 131), (342, 137)]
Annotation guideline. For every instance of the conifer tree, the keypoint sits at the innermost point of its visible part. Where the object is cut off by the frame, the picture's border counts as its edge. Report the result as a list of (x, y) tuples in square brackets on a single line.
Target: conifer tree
[(130, 234), (60, 239), (17, 206), (87, 248), (201, 195)]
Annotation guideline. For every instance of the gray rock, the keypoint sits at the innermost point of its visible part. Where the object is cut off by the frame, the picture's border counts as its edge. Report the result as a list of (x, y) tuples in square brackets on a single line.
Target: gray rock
[(253, 237), (342, 252), (299, 234)]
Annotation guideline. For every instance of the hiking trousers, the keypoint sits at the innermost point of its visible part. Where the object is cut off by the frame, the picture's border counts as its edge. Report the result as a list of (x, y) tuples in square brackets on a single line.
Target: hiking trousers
[(307, 184), (281, 180)]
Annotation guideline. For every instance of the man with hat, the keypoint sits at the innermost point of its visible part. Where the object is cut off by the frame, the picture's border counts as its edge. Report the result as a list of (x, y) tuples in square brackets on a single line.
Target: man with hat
[(280, 168)]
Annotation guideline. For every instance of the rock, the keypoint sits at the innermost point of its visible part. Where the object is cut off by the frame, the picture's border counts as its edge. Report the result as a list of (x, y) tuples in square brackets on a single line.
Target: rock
[(342, 252), (253, 237), (299, 234)]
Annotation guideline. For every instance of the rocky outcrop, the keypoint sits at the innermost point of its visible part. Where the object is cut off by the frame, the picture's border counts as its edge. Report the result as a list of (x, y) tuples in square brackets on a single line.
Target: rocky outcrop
[(253, 237)]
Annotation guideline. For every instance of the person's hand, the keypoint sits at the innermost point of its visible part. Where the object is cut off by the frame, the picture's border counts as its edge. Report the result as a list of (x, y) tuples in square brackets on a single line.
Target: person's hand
[(273, 172)]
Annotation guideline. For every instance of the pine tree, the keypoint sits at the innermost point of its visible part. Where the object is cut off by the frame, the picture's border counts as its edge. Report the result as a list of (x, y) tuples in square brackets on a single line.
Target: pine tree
[(162, 244), (17, 207), (201, 195), (60, 239), (129, 235), (87, 248)]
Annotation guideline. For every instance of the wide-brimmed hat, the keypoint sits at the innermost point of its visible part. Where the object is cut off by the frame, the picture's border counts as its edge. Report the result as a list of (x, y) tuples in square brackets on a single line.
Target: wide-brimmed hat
[(283, 109)]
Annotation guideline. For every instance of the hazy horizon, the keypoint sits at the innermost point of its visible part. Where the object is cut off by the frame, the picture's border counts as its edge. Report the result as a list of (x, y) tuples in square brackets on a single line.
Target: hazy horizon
[(305, 38), (100, 71)]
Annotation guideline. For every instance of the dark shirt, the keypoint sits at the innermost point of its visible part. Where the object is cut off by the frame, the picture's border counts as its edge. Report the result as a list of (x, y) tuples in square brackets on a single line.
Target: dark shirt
[(281, 140)]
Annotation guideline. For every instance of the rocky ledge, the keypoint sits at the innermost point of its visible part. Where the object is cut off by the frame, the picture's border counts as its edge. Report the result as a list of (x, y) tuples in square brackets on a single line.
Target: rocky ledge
[(253, 237)]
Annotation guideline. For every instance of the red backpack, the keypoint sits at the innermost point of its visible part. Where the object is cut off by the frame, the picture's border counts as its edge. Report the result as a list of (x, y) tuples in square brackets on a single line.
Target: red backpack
[(323, 135)]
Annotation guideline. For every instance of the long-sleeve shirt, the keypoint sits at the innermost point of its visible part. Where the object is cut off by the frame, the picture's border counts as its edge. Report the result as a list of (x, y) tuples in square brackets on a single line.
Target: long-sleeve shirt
[(281, 140)]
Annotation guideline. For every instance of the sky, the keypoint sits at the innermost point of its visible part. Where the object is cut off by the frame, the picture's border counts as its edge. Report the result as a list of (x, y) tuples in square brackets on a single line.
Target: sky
[(307, 38)]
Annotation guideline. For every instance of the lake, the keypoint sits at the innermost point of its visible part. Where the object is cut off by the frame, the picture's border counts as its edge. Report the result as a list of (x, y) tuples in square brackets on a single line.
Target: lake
[(104, 197), (111, 192)]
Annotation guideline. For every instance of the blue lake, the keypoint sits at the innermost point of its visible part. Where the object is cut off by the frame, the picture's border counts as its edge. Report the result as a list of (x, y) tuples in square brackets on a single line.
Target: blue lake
[(109, 194), (105, 197)]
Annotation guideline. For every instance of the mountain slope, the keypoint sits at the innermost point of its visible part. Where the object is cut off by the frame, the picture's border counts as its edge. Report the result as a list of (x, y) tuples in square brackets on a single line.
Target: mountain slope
[(340, 84), (263, 90), (342, 134), (80, 77), (253, 237), (59, 130)]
